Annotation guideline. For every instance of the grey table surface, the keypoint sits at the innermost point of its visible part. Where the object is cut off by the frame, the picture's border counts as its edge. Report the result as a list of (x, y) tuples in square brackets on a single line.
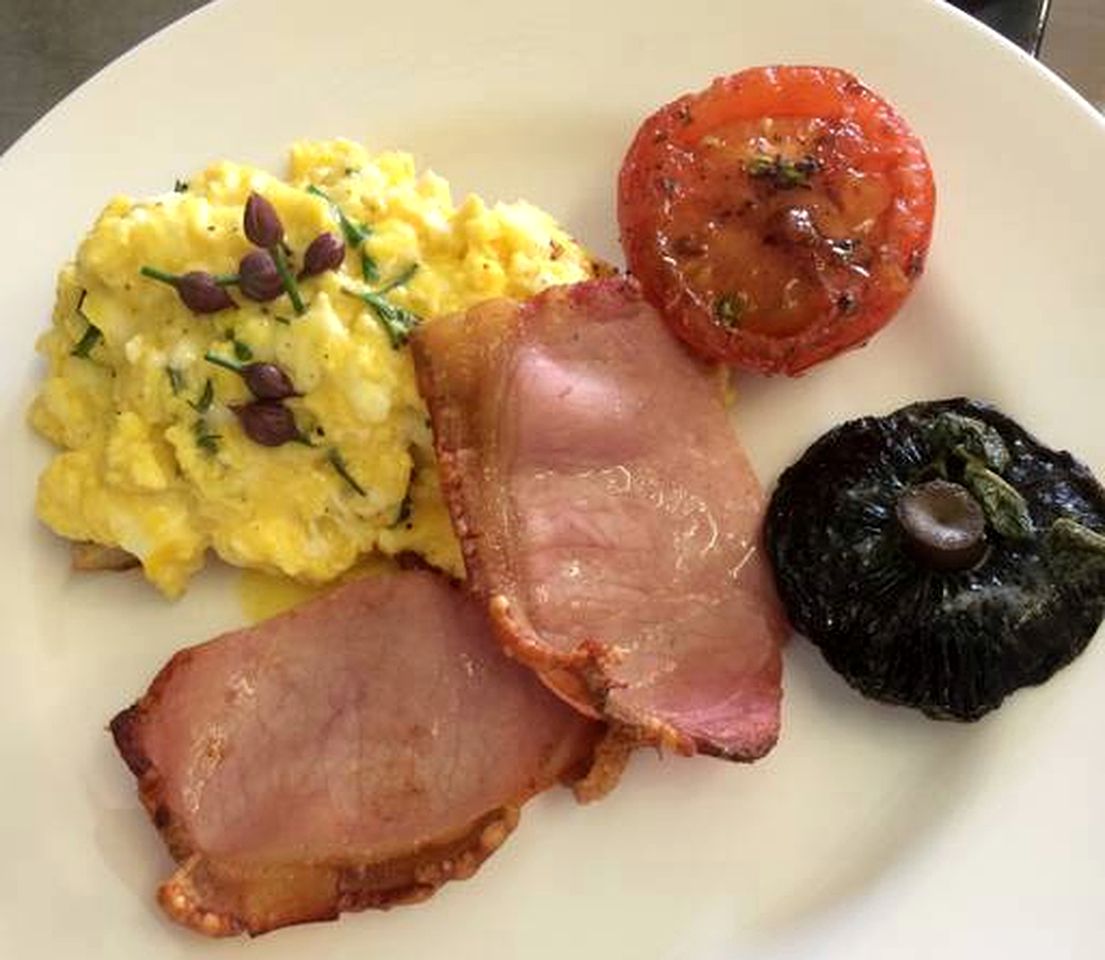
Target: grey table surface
[(49, 47)]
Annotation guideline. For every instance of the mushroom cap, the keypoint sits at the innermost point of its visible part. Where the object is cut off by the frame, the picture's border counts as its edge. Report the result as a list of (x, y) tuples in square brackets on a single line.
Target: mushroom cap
[(951, 642)]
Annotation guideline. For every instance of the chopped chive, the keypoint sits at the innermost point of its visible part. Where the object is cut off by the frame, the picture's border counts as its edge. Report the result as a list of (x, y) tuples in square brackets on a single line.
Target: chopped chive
[(398, 322), (154, 274), (399, 280), (355, 235), (222, 362), (176, 379), (288, 279), (203, 404), (84, 346), (92, 334), (241, 350), (369, 270), (284, 320), (180, 186), (334, 458), (205, 440), (404, 513)]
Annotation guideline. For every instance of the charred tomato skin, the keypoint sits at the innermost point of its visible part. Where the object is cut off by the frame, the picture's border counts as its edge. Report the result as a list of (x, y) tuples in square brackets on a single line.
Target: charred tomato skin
[(952, 643), (696, 220)]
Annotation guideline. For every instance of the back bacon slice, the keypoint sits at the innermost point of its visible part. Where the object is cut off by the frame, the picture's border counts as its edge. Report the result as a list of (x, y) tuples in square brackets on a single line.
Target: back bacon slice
[(608, 516), (359, 751)]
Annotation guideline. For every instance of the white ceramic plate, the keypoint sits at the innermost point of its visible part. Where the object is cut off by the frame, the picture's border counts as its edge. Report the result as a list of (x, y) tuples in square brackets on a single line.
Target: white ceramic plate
[(869, 832)]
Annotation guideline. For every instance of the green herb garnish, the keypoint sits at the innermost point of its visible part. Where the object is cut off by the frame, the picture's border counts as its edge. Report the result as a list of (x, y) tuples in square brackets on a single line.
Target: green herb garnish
[(760, 165), (729, 309), (1074, 551), (84, 346), (176, 379), (398, 322), (976, 449), (203, 404), (399, 280), (1004, 507), (205, 440), (404, 513), (782, 172), (92, 334), (369, 270), (242, 351), (355, 235), (287, 278), (335, 459), (969, 437), (180, 186), (222, 362)]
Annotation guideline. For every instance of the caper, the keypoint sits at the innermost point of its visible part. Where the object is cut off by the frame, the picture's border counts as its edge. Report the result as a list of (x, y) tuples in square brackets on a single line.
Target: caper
[(266, 381), (199, 290), (325, 252), (267, 422), (262, 223), (258, 277)]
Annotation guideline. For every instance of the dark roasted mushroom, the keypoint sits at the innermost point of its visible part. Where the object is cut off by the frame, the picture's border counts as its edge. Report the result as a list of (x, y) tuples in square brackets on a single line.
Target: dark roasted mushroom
[(940, 556)]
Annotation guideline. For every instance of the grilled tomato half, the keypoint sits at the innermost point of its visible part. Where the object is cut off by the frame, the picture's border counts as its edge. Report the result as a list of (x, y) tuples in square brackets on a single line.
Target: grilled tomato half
[(778, 217)]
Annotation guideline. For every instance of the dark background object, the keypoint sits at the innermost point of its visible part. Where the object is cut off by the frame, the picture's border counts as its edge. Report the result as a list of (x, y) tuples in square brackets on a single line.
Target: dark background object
[(1022, 21), (49, 47)]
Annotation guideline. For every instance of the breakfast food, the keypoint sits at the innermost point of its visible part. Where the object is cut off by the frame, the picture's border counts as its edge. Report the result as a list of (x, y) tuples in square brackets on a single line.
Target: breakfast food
[(616, 544), (229, 369), (182, 314), (778, 217), (357, 752), (940, 556)]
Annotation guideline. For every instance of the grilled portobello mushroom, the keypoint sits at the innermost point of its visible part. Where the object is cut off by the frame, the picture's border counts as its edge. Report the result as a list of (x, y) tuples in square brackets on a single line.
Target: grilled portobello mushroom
[(941, 557)]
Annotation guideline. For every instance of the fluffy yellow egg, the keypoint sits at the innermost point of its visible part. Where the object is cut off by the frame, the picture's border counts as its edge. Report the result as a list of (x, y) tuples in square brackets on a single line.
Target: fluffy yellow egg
[(153, 457)]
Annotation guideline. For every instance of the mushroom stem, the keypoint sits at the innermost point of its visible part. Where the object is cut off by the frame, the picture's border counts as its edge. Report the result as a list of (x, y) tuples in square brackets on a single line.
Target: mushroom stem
[(943, 524)]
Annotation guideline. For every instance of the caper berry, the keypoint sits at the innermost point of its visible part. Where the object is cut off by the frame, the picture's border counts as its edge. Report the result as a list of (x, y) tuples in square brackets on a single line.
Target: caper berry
[(199, 290), (325, 252), (266, 381), (262, 223), (267, 422), (258, 277)]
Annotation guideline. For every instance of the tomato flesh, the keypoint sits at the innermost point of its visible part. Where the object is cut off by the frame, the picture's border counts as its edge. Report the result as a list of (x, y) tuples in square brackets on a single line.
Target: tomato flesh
[(778, 217)]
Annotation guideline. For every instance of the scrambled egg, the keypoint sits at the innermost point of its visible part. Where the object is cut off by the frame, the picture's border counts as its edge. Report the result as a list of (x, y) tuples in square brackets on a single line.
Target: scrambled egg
[(153, 458)]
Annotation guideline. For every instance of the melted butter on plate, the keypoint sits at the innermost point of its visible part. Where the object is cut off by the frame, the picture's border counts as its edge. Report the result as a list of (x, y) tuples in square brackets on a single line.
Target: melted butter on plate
[(263, 595)]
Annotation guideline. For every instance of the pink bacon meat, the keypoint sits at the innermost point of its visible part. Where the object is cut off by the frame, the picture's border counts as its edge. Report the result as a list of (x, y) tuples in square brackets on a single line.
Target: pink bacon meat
[(608, 516), (357, 752)]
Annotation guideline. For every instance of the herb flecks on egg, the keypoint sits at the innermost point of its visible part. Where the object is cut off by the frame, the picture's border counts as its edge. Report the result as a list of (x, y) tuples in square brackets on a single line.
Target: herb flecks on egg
[(147, 394)]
